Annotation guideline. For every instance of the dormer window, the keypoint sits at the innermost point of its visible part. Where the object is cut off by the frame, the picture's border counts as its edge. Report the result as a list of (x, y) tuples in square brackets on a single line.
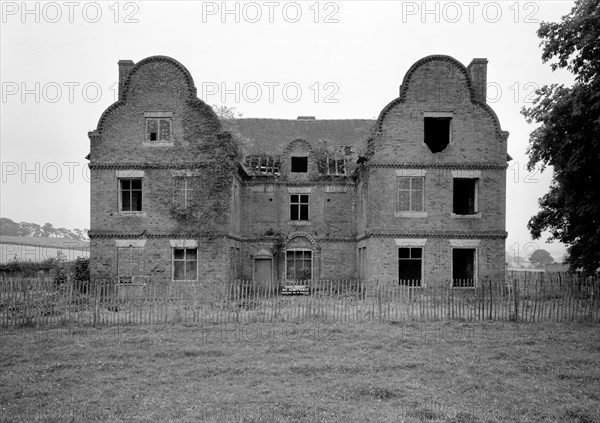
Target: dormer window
[(299, 164), (158, 128)]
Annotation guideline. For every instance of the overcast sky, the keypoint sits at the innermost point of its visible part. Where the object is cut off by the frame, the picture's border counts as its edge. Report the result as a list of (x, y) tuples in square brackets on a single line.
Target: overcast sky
[(279, 59)]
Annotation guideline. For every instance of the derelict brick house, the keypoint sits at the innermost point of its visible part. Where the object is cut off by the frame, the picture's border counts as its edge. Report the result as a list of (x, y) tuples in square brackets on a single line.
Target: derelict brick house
[(419, 194)]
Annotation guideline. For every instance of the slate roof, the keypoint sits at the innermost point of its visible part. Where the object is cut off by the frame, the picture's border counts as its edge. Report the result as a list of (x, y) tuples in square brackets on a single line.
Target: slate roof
[(272, 136)]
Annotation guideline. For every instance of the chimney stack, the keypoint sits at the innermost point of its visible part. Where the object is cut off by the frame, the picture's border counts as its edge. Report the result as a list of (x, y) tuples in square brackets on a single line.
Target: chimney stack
[(478, 72), (125, 67)]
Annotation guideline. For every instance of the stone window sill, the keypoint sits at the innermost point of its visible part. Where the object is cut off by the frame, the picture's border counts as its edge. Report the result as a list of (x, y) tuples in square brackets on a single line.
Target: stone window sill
[(410, 214), (132, 213), (157, 144), (466, 216)]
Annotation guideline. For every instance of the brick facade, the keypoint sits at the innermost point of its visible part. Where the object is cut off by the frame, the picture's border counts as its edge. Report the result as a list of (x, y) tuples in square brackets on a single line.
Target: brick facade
[(177, 194)]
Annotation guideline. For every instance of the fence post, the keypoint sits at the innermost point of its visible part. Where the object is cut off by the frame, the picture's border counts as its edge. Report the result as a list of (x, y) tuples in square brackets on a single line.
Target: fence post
[(515, 291)]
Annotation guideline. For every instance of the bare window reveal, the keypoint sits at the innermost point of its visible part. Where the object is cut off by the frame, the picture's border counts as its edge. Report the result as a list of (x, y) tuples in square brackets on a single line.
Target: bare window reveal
[(437, 133), (299, 164), (463, 267), (464, 196)]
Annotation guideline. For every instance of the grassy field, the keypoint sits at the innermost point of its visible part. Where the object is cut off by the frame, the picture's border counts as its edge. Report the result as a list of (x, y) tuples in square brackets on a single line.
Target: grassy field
[(310, 372)]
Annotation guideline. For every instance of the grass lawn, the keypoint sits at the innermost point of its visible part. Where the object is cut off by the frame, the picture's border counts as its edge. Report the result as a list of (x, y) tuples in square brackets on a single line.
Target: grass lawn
[(309, 372)]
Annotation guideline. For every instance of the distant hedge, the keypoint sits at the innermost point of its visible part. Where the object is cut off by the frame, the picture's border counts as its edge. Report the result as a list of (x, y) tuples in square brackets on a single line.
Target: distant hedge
[(59, 269)]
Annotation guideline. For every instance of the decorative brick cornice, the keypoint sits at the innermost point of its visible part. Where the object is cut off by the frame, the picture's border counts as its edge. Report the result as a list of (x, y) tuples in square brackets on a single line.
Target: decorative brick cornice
[(436, 234), (99, 234), (146, 165), (406, 86), (299, 184), (440, 165)]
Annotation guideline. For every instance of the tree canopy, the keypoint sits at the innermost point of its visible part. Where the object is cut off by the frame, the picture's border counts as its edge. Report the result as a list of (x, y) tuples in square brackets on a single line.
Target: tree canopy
[(540, 258), (568, 138)]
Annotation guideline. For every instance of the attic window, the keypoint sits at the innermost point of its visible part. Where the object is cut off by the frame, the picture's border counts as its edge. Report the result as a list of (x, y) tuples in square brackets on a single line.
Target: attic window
[(158, 128), (299, 164), (336, 165), (263, 164), (437, 132)]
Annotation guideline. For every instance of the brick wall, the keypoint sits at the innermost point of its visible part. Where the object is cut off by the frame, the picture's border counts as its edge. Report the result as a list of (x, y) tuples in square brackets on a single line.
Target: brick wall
[(346, 213)]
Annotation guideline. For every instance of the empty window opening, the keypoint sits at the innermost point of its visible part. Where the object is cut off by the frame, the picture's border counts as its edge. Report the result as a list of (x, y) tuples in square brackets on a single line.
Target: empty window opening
[(463, 267), (299, 265), (464, 196), (299, 164), (410, 264), (131, 194), (185, 264), (299, 207), (410, 193), (437, 133)]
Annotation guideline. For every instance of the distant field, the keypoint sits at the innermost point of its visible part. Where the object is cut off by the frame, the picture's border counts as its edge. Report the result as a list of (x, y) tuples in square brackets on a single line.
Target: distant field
[(309, 372)]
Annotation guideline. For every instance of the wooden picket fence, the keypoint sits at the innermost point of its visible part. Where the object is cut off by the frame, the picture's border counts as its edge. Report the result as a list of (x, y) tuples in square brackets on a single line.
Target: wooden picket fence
[(523, 297)]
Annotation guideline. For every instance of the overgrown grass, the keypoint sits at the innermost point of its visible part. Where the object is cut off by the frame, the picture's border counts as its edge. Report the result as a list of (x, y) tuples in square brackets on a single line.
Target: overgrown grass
[(309, 372)]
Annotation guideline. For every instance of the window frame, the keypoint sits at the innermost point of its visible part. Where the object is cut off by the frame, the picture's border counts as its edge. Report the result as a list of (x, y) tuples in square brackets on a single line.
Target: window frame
[(158, 116), (120, 180), (300, 205), (303, 250), (410, 194), (421, 259), (184, 261), (338, 161)]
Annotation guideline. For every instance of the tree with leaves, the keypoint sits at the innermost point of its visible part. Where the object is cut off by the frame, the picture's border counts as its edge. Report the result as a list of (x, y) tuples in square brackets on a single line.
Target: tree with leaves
[(568, 138), (225, 112), (539, 258)]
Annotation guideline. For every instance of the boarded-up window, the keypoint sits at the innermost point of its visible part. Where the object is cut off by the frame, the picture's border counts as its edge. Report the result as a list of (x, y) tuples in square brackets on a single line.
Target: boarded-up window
[(299, 264), (185, 264), (410, 264), (411, 193), (129, 263), (183, 188)]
